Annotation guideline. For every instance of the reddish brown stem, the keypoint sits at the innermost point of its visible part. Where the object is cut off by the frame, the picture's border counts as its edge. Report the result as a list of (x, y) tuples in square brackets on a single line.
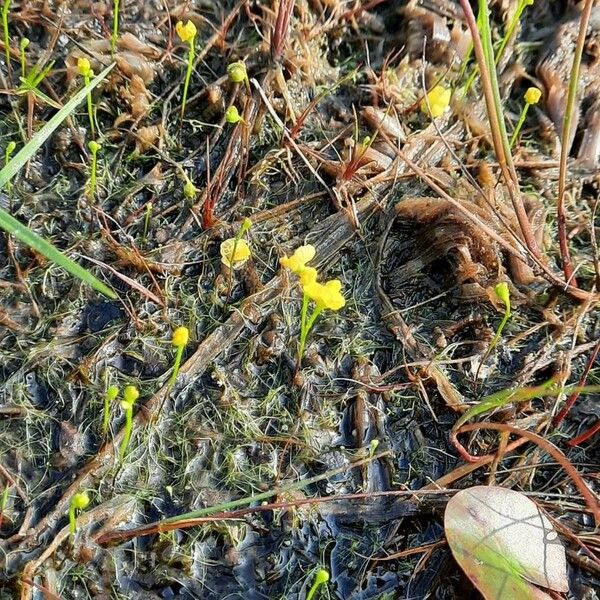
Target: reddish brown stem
[(573, 397), (564, 149), (551, 449), (281, 30), (586, 435)]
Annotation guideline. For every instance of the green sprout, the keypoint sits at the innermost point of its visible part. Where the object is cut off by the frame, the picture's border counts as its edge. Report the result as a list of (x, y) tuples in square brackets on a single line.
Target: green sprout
[(5, 9), (85, 70), (187, 33), (532, 96), (22, 47), (94, 148), (115, 29), (109, 397), (503, 293), (10, 148), (79, 501), (321, 578), (180, 338), (130, 395)]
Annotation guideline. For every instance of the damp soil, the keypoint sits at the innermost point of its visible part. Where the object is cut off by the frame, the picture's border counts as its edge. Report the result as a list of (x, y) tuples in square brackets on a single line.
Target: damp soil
[(389, 374)]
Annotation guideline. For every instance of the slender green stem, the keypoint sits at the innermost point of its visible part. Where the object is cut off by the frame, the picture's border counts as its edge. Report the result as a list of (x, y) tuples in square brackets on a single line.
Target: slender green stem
[(93, 171), (127, 432), (511, 27), (90, 106), (5, 9), (308, 325), (22, 47), (10, 148), (72, 523), (313, 590), (176, 365), (115, 31), (520, 122), (147, 219), (303, 332), (567, 266), (188, 75)]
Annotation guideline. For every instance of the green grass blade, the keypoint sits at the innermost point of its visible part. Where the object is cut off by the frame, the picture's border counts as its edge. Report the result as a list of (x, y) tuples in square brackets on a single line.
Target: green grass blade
[(23, 233)]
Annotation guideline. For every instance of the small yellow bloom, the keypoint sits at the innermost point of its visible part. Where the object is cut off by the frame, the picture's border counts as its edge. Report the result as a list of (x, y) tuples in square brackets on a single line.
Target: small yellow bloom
[(308, 275), (533, 95), (84, 67), (186, 32), (328, 295), (189, 190), (130, 394), (232, 115), (297, 262), (242, 252), (180, 338), (439, 100)]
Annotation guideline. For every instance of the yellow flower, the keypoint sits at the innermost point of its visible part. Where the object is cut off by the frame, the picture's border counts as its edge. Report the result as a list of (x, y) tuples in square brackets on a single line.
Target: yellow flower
[(186, 32), (533, 95), (180, 338), (237, 72), (80, 500), (242, 252), (84, 67), (297, 262), (439, 100), (308, 275), (326, 295)]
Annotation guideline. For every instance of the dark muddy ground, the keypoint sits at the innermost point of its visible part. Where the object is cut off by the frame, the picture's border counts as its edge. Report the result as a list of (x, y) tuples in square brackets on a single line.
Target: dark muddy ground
[(397, 365)]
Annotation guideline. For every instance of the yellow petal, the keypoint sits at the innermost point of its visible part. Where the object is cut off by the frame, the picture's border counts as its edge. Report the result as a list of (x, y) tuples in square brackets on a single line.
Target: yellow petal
[(186, 32), (297, 262), (308, 275), (439, 100), (533, 95), (83, 66)]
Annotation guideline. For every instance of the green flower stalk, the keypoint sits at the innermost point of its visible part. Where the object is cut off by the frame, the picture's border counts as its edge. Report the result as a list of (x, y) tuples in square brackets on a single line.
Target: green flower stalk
[(523, 4), (147, 218), (180, 338), (109, 397), (130, 395), (115, 29), (79, 501), (94, 147), (85, 70), (532, 96), (321, 578), (5, 9), (187, 33), (10, 148), (22, 47)]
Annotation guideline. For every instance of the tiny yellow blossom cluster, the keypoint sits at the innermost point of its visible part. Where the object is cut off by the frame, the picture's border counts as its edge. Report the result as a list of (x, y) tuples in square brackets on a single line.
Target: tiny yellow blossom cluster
[(439, 100), (533, 95)]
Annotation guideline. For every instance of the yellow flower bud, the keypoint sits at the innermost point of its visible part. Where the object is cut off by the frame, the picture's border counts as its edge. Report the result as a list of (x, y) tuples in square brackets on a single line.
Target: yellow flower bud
[(112, 392), (84, 67), (242, 252), (94, 147), (439, 100), (232, 115), (80, 500), (186, 32), (130, 395), (532, 95), (189, 190), (503, 293), (180, 338), (321, 577), (237, 72)]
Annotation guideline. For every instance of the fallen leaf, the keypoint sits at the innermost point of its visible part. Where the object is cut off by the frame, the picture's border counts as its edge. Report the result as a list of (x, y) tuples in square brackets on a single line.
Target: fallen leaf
[(505, 544)]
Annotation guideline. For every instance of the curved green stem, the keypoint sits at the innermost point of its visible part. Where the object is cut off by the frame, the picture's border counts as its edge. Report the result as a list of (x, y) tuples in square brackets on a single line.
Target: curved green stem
[(72, 523), (306, 326), (5, 9), (115, 31)]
